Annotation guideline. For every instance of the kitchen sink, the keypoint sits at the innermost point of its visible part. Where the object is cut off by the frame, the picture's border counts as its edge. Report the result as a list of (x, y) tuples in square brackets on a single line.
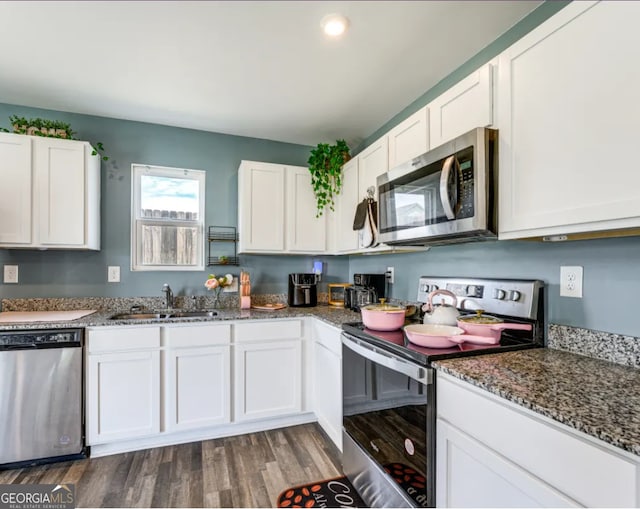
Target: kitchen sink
[(191, 314), (163, 316), (138, 316)]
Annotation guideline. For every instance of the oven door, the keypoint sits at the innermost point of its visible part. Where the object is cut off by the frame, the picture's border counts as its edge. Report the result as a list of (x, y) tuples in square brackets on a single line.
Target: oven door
[(388, 426)]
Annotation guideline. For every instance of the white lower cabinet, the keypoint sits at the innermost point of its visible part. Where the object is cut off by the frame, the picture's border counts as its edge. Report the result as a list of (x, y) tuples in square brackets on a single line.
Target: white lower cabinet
[(267, 369), (122, 384), (327, 379), (157, 385), (197, 375), (493, 453)]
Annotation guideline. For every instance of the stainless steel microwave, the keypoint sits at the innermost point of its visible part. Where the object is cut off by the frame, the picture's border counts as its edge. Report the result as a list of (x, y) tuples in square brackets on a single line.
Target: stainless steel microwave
[(444, 196)]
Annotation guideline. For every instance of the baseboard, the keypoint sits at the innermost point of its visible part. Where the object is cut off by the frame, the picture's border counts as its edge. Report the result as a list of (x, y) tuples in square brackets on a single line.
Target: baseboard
[(183, 437)]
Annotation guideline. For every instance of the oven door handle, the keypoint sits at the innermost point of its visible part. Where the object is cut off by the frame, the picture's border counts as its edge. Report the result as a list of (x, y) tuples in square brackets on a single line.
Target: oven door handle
[(418, 373)]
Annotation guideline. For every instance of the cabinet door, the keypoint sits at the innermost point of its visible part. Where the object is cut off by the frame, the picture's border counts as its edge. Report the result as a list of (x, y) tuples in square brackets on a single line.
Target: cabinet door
[(123, 396), (327, 380), (306, 233), (372, 162), (15, 189), (198, 387), (409, 138), (60, 179), (566, 134), (346, 237), (261, 212), (465, 106), (268, 379), (472, 475), (585, 470)]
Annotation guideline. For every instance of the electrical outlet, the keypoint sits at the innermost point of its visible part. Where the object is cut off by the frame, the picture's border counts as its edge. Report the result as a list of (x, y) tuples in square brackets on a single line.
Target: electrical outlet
[(390, 275), (10, 273), (113, 274), (571, 282)]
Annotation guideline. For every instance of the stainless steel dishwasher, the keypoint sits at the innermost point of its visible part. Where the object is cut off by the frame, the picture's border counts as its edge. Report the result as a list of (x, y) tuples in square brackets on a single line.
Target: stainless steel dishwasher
[(41, 397)]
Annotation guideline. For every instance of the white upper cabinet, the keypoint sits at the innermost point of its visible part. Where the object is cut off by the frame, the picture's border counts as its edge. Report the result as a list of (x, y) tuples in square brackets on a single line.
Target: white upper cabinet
[(409, 138), (306, 233), (16, 183), (346, 238), (465, 106), (261, 213), (567, 113), (50, 193), (277, 210), (372, 162)]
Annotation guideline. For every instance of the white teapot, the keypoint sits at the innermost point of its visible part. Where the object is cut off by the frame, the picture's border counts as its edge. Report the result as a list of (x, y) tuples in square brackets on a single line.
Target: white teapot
[(441, 314)]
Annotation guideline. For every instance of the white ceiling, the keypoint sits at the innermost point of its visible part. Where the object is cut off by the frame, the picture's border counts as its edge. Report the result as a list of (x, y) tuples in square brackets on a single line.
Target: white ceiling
[(250, 68)]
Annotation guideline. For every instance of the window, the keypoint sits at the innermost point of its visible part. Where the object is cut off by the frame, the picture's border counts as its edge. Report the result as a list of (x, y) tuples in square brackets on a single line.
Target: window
[(167, 231)]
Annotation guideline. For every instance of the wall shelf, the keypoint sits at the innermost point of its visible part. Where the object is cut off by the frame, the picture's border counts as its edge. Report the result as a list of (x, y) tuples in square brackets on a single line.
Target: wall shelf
[(228, 255)]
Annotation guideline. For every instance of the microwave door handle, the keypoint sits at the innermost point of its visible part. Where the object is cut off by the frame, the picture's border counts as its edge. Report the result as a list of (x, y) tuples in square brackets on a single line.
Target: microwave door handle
[(448, 166), (418, 373)]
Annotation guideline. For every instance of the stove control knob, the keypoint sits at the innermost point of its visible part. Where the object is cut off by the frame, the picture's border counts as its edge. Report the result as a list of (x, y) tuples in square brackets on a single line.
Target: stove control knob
[(499, 294), (434, 288), (514, 295), (424, 288), (474, 291)]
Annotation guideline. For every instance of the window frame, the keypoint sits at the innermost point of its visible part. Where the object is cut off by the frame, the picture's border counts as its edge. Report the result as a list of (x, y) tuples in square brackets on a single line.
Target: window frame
[(137, 220)]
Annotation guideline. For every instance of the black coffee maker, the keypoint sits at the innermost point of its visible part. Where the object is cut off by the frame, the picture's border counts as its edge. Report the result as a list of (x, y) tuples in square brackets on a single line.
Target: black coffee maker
[(366, 289), (303, 290)]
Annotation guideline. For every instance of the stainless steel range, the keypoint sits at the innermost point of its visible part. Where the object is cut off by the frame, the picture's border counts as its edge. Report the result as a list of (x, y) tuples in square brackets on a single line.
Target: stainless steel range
[(389, 403)]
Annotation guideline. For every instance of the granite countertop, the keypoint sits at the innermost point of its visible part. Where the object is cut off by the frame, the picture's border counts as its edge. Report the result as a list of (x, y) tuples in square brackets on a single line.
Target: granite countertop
[(331, 315), (597, 397)]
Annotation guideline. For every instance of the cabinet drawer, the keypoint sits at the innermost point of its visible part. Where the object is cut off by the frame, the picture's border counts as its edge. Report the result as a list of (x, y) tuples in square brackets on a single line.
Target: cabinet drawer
[(121, 338), (265, 330), (588, 473), (196, 335)]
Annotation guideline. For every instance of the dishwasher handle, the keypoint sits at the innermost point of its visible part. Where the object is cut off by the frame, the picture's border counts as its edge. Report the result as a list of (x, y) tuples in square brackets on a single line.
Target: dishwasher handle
[(418, 373)]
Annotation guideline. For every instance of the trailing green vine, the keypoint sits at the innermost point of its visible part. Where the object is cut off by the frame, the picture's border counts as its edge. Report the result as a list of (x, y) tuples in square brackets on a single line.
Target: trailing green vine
[(325, 165), (48, 129)]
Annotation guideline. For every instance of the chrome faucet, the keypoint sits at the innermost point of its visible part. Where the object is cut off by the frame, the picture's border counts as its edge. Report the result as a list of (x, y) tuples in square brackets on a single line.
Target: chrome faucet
[(168, 297)]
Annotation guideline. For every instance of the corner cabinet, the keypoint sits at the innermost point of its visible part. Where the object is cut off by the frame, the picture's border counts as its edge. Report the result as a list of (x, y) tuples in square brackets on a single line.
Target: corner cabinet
[(276, 210), (327, 379), (346, 239), (49, 193), (493, 453), (567, 110)]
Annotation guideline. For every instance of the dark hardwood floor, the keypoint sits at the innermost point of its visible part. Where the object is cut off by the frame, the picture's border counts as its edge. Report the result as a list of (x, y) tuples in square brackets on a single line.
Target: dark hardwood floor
[(242, 471)]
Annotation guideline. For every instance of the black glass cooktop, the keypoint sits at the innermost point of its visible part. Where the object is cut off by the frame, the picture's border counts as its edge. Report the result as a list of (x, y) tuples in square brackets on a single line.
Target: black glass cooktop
[(398, 343)]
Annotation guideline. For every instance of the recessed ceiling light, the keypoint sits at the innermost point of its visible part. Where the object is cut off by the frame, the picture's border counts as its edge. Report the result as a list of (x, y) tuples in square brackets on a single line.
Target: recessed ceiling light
[(334, 25)]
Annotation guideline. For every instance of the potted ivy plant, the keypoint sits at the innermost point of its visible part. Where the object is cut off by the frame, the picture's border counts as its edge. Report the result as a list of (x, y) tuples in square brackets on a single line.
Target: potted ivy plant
[(49, 129), (325, 165)]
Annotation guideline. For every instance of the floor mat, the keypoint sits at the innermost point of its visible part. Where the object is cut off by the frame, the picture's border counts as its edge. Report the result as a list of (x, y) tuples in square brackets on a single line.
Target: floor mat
[(330, 493), (340, 492)]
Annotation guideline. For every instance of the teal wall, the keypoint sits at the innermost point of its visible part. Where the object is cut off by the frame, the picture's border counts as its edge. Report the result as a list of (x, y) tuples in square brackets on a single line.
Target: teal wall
[(84, 273), (611, 270), (611, 275)]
